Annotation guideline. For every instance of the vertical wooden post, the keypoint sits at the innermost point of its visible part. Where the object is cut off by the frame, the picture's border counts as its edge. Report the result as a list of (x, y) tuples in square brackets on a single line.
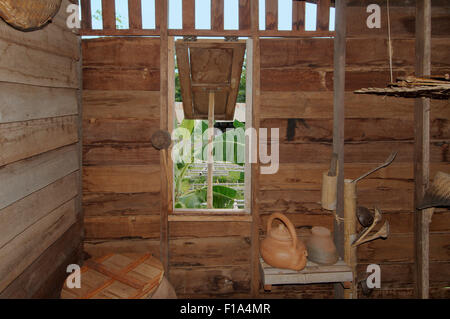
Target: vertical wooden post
[(135, 14), (298, 15), (271, 14), (256, 96), (350, 234), (109, 14), (164, 104), (86, 15), (244, 15), (210, 150), (188, 14), (323, 15), (338, 123), (422, 149), (217, 22)]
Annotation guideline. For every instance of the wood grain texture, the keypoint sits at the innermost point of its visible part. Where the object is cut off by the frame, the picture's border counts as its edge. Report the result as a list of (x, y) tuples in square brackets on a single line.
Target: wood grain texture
[(217, 17), (244, 14), (24, 139), (135, 14), (18, 102), (271, 14), (121, 179), (22, 178), (19, 253), (298, 15), (188, 10), (109, 15)]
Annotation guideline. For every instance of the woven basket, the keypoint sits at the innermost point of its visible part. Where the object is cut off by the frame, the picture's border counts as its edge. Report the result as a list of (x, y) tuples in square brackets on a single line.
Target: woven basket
[(28, 15)]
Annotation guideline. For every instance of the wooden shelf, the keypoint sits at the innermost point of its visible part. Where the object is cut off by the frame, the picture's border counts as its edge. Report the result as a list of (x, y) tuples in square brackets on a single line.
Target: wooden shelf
[(311, 274)]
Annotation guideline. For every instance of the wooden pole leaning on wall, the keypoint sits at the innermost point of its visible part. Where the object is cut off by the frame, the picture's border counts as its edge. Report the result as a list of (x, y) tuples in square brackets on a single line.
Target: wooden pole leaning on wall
[(210, 196), (422, 151), (338, 124), (350, 257)]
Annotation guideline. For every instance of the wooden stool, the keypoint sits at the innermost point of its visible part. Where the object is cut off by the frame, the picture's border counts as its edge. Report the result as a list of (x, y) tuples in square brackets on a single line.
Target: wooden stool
[(117, 276)]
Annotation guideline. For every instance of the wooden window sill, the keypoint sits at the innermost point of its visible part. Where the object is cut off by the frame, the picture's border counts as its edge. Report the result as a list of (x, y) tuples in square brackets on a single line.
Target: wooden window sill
[(210, 216)]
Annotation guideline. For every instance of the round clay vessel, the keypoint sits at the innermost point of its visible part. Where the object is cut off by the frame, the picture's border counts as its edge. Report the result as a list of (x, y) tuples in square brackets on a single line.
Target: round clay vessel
[(281, 248), (320, 246)]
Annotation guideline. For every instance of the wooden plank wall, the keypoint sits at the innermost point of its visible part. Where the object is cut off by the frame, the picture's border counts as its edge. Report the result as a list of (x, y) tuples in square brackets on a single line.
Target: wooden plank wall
[(121, 172), (297, 88), (40, 215)]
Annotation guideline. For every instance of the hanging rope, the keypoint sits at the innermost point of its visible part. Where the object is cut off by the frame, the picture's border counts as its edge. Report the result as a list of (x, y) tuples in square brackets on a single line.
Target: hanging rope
[(389, 41)]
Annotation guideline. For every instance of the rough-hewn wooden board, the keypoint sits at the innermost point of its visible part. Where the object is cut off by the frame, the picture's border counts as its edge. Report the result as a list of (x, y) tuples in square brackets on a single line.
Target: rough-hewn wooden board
[(54, 38), (27, 176), (45, 276), (439, 292), (121, 52), (362, 129), (364, 152), (244, 14), (114, 204), (188, 14), (15, 218), (298, 16), (120, 154), (402, 273), (402, 22), (293, 80), (120, 104), (208, 229), (20, 140), (121, 79), (18, 102), (102, 247), (109, 15), (19, 253), (214, 280), (217, 18), (122, 227), (135, 14), (308, 176), (107, 131), (400, 248), (320, 105), (323, 15), (121, 179), (38, 68), (373, 54), (209, 252), (271, 14)]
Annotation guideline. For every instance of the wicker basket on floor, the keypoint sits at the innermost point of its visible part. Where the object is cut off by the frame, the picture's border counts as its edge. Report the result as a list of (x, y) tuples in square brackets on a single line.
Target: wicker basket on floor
[(27, 15)]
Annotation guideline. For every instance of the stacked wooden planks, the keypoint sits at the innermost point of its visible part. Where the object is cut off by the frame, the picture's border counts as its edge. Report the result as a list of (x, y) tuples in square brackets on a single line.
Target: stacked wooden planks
[(40, 215)]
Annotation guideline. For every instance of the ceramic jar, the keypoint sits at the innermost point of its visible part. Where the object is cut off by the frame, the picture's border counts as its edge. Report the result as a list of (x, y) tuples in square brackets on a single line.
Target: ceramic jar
[(320, 246), (281, 248)]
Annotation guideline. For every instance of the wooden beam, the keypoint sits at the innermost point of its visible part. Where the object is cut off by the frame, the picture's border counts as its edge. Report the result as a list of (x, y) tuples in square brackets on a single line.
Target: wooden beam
[(298, 15), (184, 68), (135, 14), (256, 95), (164, 99), (109, 15), (188, 14), (271, 14), (210, 150), (217, 7), (244, 14), (86, 15), (338, 123), (422, 150), (236, 71), (323, 15)]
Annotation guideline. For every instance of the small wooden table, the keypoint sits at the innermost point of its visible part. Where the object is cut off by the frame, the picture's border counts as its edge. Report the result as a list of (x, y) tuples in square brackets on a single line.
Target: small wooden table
[(311, 274), (117, 276)]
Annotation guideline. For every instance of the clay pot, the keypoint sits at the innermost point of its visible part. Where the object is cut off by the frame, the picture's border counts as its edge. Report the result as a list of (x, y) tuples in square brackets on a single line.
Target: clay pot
[(320, 246), (281, 248)]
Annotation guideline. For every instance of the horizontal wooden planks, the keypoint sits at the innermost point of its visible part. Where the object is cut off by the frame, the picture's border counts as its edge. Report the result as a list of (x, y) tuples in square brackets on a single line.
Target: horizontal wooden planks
[(120, 104), (20, 140), (101, 247), (121, 78), (18, 102), (30, 244), (64, 251), (113, 204), (15, 218), (319, 105), (38, 68), (22, 178), (120, 154), (121, 179)]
